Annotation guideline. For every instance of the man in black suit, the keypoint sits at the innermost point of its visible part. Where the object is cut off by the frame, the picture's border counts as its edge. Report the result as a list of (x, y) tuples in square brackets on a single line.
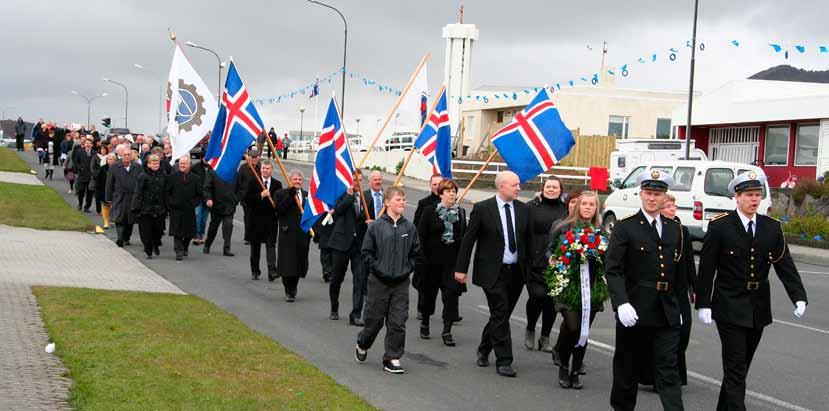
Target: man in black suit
[(244, 177), (430, 200), (373, 197), (739, 249), (643, 267), (82, 160), (374, 194), (262, 221), (345, 241), (500, 227)]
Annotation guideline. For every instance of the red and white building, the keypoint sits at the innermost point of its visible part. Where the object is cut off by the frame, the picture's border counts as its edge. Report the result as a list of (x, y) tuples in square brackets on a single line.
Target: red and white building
[(781, 126)]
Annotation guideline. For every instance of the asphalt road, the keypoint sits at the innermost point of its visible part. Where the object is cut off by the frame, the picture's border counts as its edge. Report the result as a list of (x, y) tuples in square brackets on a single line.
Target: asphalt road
[(789, 371)]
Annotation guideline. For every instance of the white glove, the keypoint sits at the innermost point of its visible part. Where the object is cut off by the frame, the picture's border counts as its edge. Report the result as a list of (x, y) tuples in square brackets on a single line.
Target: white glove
[(704, 315), (627, 315), (800, 309), (328, 219)]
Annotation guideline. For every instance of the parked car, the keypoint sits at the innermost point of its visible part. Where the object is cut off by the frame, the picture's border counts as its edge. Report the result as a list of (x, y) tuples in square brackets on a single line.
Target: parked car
[(701, 190), (630, 154)]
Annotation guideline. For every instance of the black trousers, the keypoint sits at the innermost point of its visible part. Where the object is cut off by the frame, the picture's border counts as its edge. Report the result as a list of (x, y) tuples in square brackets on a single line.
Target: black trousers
[(738, 347), (19, 140), (227, 229), (181, 245), (386, 303), (634, 346), (270, 256), (150, 228), (246, 214), (124, 231), (450, 292), (359, 290), (340, 261), (543, 307), (684, 339), (501, 299), (291, 284), (326, 262), (568, 337), (84, 193)]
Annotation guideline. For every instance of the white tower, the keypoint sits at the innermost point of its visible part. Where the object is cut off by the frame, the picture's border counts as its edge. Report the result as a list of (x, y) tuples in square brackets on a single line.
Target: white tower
[(459, 40)]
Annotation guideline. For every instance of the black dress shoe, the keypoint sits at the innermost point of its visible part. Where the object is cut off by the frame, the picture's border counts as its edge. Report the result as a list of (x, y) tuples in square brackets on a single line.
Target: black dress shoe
[(457, 320), (505, 371), (564, 377), (334, 316), (358, 322), (149, 256), (227, 253), (179, 257), (574, 381), (448, 340), (424, 332), (290, 298), (186, 253), (157, 251), (483, 359), (119, 243), (255, 276)]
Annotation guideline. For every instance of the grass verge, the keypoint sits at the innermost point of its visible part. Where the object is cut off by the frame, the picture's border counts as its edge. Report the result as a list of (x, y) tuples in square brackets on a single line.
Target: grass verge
[(10, 161), (143, 351), (40, 207)]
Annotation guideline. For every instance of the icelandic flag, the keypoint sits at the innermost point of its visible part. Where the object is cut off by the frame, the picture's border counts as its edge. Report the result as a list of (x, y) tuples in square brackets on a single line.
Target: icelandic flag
[(535, 140), (315, 90), (333, 169), (237, 126), (435, 140)]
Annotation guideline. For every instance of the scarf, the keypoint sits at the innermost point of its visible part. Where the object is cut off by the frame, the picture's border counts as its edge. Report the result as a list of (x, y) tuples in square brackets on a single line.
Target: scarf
[(449, 216)]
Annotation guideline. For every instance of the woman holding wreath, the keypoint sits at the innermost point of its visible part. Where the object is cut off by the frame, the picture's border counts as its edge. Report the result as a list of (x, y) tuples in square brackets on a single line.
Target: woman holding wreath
[(575, 278)]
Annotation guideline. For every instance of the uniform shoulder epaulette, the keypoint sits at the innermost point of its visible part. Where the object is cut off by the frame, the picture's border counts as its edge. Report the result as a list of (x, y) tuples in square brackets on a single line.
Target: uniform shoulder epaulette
[(628, 217), (770, 218), (671, 220), (719, 216)]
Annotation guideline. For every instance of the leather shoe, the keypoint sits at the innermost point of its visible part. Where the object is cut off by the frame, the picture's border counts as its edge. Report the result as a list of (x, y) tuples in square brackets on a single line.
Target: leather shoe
[(448, 340), (255, 276), (334, 316), (483, 359), (356, 322), (505, 371), (227, 253)]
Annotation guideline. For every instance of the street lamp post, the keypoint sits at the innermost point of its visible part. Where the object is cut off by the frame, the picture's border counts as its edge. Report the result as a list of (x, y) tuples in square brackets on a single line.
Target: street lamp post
[(691, 85), (301, 113), (89, 101), (126, 100), (345, 52), (221, 65)]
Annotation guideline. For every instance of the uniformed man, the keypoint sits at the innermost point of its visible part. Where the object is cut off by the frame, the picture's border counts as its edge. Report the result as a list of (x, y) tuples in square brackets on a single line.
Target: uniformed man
[(642, 268), (739, 248)]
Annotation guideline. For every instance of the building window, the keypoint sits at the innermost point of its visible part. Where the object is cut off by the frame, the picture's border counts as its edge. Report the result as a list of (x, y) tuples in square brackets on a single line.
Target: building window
[(618, 126), (805, 153), (499, 116), (777, 146), (663, 128)]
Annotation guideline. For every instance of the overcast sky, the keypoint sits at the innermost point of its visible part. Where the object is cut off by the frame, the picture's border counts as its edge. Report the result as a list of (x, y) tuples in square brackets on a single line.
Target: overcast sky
[(51, 48)]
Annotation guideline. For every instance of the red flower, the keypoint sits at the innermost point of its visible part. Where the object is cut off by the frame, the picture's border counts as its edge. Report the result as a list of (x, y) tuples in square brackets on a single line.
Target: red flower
[(563, 249), (587, 230), (565, 260), (584, 239), (570, 237)]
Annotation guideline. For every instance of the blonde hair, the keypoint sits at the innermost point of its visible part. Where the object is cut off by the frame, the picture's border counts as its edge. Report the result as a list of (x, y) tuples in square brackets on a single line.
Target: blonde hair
[(575, 216), (670, 197)]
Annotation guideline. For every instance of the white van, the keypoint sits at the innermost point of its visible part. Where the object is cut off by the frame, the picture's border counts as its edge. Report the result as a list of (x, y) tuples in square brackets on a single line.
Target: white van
[(630, 154), (700, 188)]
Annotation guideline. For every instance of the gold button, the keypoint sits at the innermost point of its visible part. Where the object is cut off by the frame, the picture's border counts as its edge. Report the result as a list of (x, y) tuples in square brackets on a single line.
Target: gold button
[(752, 250), (661, 256), (663, 274), (731, 252), (662, 265), (660, 247), (752, 274), (752, 266), (642, 248), (641, 222), (752, 257)]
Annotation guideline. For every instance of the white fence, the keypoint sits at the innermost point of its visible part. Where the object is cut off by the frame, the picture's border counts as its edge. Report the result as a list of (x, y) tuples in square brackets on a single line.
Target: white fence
[(495, 168)]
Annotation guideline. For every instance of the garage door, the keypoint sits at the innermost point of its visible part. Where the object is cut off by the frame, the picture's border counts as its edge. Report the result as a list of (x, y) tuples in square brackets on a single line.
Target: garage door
[(737, 144)]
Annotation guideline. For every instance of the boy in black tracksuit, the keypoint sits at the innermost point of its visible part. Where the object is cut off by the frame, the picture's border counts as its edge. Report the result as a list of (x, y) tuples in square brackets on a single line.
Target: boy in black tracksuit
[(389, 250)]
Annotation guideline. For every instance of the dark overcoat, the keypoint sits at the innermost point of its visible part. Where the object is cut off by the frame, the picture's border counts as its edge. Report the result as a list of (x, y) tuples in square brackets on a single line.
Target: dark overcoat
[(184, 193), (120, 187), (262, 222), (292, 245)]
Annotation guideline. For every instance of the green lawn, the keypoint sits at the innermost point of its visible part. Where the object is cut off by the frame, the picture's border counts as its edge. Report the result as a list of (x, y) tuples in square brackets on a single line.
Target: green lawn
[(39, 207), (142, 351), (10, 161)]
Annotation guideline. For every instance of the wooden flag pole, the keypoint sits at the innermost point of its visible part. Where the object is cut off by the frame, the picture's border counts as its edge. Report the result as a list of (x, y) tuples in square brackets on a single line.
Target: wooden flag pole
[(259, 179), (285, 175), (471, 182), (394, 108)]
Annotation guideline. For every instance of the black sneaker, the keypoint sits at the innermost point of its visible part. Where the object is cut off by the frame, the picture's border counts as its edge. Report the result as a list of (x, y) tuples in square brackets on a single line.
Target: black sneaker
[(393, 366), (360, 354)]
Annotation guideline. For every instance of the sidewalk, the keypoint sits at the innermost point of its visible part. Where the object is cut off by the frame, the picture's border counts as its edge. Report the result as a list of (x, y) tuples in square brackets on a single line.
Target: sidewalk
[(29, 377)]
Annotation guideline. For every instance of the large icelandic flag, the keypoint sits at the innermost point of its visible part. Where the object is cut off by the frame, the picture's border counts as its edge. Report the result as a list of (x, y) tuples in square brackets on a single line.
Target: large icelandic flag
[(535, 140), (435, 140), (191, 107), (333, 169), (237, 126)]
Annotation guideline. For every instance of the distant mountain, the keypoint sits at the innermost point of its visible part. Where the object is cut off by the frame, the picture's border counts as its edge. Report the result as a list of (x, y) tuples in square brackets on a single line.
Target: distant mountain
[(786, 72)]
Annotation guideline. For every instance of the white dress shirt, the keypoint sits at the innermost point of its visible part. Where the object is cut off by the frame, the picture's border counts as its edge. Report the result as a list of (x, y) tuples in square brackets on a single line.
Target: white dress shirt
[(509, 257), (658, 222), (745, 221)]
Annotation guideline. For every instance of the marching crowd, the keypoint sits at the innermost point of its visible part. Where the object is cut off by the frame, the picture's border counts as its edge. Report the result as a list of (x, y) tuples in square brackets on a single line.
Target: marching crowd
[(554, 246)]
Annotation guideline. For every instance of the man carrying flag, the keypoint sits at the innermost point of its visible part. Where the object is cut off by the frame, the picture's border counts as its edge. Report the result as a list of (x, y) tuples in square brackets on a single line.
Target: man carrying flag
[(435, 140), (191, 107), (535, 140), (333, 169)]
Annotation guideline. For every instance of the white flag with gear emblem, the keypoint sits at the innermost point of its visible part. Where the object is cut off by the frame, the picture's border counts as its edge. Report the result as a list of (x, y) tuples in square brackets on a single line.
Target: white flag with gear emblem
[(191, 108)]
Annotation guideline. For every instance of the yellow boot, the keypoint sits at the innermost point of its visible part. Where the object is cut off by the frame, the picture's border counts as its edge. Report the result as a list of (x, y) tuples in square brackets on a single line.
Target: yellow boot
[(105, 214)]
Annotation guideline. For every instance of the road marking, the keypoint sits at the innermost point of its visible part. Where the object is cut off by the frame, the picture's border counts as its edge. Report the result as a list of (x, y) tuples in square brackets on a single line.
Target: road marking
[(802, 326), (593, 343), (814, 272)]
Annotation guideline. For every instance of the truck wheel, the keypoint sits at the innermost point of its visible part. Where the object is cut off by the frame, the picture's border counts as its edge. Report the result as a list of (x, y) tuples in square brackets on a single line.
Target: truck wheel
[(609, 223)]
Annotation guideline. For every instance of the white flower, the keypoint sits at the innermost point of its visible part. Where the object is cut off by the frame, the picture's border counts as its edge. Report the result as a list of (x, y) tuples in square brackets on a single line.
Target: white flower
[(50, 348)]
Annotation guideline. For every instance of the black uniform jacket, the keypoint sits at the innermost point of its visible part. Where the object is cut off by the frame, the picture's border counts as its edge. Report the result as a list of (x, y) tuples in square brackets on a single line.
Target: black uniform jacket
[(734, 270), (485, 228), (638, 262), (349, 226)]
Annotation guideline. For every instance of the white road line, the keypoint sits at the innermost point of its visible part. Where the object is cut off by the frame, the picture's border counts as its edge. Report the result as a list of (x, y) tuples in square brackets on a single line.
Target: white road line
[(814, 272), (802, 326), (593, 344)]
